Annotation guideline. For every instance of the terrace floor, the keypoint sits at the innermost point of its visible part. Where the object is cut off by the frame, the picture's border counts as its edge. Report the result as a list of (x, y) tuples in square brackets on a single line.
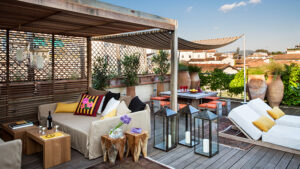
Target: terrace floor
[(184, 157)]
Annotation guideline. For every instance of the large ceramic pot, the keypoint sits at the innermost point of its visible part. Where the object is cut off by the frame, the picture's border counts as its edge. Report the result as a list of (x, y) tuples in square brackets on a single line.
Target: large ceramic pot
[(184, 79), (257, 86), (160, 87), (195, 80), (130, 91), (275, 90)]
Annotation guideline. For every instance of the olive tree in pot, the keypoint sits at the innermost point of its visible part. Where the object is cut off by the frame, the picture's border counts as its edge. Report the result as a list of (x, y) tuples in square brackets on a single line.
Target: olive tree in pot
[(194, 74), (256, 85), (275, 85), (131, 65), (184, 78), (101, 74), (161, 67)]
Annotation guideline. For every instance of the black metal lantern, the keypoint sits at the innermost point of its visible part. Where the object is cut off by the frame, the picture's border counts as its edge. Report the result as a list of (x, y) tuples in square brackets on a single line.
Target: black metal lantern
[(165, 127), (206, 133), (185, 125)]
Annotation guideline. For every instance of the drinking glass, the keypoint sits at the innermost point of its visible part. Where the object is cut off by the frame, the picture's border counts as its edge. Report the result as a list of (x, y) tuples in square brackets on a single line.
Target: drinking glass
[(56, 128), (40, 129), (43, 130)]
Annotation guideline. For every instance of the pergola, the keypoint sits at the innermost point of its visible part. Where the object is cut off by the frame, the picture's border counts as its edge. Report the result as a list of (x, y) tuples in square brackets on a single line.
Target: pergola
[(92, 18)]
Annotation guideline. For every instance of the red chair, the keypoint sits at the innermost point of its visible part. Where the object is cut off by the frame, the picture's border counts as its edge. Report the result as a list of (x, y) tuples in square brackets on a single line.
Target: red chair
[(211, 98), (215, 102), (157, 99), (168, 104)]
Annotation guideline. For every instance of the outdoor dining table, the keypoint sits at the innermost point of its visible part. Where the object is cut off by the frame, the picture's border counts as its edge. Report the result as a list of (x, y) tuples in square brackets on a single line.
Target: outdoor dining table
[(196, 98)]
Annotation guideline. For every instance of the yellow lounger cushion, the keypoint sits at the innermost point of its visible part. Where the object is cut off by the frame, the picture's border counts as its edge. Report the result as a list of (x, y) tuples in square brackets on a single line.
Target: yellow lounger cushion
[(276, 113), (264, 123), (66, 107)]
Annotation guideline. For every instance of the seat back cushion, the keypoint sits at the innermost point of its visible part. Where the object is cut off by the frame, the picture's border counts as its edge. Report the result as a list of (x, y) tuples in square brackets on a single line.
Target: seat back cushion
[(243, 116), (260, 107), (94, 92), (108, 96)]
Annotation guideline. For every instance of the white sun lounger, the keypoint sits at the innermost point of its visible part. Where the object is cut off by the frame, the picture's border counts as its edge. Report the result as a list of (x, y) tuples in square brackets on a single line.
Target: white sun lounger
[(261, 108), (286, 136)]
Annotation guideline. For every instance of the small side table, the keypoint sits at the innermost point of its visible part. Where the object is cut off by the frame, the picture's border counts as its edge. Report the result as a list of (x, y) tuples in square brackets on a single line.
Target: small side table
[(56, 150), (10, 134), (112, 147), (137, 143)]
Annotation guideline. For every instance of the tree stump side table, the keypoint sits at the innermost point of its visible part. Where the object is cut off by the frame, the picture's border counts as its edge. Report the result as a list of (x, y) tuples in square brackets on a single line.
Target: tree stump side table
[(112, 147), (137, 143)]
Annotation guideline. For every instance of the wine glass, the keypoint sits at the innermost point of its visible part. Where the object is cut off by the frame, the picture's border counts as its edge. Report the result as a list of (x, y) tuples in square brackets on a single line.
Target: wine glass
[(56, 128), (40, 129), (43, 130)]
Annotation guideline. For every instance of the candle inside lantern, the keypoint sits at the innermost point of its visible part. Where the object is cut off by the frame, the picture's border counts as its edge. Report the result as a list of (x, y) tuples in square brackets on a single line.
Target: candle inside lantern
[(170, 140), (187, 137), (205, 145)]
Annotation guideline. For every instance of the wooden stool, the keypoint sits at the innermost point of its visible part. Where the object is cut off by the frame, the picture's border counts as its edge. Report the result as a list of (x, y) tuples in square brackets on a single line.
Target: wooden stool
[(137, 143), (112, 147)]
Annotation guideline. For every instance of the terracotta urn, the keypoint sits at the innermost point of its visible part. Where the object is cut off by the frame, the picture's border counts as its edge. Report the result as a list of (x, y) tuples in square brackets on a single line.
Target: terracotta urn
[(195, 80), (130, 91), (275, 90), (160, 87), (184, 79), (257, 86)]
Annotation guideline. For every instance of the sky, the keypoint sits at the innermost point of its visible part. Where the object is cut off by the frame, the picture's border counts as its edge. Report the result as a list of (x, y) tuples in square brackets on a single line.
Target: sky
[(268, 24)]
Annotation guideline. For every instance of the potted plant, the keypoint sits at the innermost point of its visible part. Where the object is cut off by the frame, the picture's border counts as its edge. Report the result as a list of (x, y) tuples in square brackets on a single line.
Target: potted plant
[(194, 74), (256, 85), (100, 77), (275, 85), (131, 65), (161, 68), (184, 78)]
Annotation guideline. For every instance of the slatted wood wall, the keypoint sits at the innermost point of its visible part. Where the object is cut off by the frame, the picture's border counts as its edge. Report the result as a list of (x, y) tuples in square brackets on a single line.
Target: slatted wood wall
[(24, 87)]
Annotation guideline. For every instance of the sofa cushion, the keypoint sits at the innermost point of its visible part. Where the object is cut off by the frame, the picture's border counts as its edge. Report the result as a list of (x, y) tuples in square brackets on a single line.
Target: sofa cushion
[(136, 105), (111, 105), (122, 109), (126, 99), (66, 107), (108, 96), (1, 141), (88, 105), (260, 107), (94, 92)]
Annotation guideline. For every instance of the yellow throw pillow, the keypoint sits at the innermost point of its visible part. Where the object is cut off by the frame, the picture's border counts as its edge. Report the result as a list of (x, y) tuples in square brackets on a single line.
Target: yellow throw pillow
[(264, 123), (66, 107), (276, 113), (113, 113)]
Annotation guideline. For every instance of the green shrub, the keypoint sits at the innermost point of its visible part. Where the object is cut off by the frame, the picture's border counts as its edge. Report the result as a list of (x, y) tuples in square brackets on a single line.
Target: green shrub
[(256, 71), (236, 86), (220, 80), (131, 65), (274, 68), (182, 67), (100, 77), (291, 81), (162, 64), (194, 69), (204, 78)]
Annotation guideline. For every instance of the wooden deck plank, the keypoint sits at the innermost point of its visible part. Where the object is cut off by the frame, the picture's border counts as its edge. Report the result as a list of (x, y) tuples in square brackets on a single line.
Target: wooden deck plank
[(185, 160), (210, 161), (246, 157), (295, 162), (285, 160), (274, 160), (163, 153), (255, 159), (265, 159), (234, 159), (169, 159), (222, 160)]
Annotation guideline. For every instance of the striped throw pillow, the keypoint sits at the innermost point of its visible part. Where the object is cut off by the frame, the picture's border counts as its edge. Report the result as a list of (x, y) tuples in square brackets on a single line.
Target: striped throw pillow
[(88, 105)]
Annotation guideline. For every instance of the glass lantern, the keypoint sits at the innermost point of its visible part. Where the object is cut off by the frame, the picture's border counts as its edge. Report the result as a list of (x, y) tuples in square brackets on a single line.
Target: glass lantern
[(206, 134), (185, 125), (165, 127)]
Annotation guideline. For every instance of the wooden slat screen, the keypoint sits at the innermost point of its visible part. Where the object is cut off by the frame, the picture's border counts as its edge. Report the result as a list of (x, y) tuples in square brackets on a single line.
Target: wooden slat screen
[(29, 86)]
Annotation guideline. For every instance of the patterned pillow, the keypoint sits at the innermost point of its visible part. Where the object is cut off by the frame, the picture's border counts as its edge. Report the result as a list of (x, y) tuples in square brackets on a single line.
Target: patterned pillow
[(88, 105)]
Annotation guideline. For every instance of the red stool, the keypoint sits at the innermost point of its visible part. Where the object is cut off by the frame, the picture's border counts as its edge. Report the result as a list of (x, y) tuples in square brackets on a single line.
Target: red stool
[(211, 98), (215, 102), (157, 99), (168, 104), (214, 107)]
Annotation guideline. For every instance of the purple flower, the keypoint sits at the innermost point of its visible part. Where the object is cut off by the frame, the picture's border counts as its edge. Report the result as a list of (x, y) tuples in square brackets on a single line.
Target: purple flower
[(125, 119), (136, 130)]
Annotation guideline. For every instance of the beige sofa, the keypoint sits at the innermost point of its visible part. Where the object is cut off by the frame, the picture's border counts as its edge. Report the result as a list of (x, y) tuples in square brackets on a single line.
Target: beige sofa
[(10, 154), (86, 131)]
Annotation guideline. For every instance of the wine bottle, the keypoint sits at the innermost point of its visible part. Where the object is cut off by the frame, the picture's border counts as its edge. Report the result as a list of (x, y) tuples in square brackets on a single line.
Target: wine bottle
[(49, 121)]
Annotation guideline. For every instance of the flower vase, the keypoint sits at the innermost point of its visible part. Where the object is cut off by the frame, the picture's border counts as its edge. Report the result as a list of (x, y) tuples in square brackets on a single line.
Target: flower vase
[(116, 134)]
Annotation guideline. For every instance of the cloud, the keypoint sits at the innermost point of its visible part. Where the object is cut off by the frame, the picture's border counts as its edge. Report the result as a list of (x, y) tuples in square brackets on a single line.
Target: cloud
[(254, 1), (189, 9), (228, 7)]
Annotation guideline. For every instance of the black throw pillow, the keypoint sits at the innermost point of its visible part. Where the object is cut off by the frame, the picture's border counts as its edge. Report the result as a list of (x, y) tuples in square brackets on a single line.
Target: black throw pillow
[(108, 96), (136, 104)]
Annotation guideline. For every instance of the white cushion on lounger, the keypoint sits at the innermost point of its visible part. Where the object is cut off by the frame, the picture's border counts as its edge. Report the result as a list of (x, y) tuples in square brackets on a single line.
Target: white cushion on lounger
[(289, 120), (260, 107), (283, 136), (243, 116)]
